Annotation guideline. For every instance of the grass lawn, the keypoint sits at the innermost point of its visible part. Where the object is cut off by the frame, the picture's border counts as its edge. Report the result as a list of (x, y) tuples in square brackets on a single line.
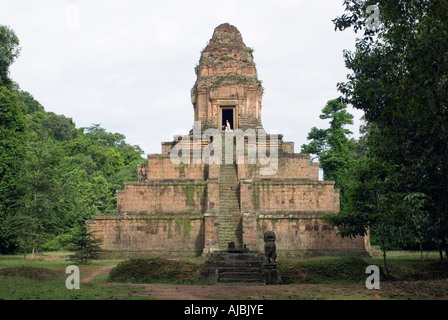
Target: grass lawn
[(44, 279), (307, 279)]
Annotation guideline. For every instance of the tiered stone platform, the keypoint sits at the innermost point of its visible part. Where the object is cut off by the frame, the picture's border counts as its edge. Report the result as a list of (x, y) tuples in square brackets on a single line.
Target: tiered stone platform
[(191, 208)]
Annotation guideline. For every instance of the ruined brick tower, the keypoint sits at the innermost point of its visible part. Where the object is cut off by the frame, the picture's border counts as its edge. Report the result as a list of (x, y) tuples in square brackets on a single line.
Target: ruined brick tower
[(185, 205), (227, 85)]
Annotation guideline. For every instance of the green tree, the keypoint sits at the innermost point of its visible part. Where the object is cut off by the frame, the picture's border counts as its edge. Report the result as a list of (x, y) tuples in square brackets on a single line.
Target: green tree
[(52, 174), (332, 146), (419, 218), (38, 214), (399, 78), (13, 134), (84, 244), (370, 203), (9, 51)]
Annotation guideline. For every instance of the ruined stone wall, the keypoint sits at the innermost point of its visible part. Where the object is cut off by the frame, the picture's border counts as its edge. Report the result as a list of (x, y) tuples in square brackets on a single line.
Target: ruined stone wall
[(288, 196), (311, 236), (161, 167), (159, 197), (289, 166), (314, 171), (300, 234), (166, 235)]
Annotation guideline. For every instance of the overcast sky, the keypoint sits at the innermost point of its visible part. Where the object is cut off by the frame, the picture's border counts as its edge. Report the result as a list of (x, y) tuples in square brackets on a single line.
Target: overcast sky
[(129, 65)]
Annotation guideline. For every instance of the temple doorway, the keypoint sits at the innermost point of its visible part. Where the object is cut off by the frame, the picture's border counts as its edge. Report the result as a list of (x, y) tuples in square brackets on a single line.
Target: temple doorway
[(227, 114)]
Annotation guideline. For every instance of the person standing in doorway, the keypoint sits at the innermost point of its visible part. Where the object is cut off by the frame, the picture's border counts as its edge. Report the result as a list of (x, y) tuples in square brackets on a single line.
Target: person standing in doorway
[(228, 128)]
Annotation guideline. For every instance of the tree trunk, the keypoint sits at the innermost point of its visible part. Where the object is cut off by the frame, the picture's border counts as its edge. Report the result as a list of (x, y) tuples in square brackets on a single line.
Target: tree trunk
[(445, 247), (445, 181), (421, 253), (384, 252), (439, 246)]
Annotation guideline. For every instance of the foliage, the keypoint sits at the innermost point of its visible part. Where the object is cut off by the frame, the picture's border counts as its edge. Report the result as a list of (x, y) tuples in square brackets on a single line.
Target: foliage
[(400, 80), (28, 272), (13, 133), (344, 269), (84, 243), (155, 270), (9, 51), (52, 173), (332, 146)]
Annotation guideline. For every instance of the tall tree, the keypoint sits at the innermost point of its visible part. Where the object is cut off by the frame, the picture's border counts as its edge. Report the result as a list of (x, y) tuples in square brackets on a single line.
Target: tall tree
[(400, 80), (9, 51), (12, 134), (333, 146), (12, 155), (51, 173)]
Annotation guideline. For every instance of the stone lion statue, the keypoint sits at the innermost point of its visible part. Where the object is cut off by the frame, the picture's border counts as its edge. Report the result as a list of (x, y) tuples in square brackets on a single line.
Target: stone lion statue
[(269, 246)]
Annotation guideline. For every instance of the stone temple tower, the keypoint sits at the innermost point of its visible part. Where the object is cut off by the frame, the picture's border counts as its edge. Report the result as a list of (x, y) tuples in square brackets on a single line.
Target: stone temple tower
[(185, 205), (227, 85)]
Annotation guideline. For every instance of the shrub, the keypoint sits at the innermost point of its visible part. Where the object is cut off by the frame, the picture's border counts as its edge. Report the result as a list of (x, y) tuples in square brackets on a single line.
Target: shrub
[(351, 269), (154, 270), (29, 272), (86, 246)]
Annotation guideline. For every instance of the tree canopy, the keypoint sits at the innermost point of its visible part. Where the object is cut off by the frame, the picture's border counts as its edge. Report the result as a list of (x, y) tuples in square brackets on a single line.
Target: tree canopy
[(52, 174), (399, 78)]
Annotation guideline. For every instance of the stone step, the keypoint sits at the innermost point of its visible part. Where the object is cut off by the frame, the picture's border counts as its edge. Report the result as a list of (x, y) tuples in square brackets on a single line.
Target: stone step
[(229, 220), (229, 188), (239, 277), (226, 204), (229, 228), (255, 268), (228, 201), (235, 267)]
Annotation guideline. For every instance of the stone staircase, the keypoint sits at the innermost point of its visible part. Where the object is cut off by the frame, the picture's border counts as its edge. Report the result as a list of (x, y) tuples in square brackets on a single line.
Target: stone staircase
[(225, 267), (229, 220)]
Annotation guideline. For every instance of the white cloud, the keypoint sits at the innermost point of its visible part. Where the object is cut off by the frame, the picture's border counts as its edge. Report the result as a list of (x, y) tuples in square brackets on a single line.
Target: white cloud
[(130, 65)]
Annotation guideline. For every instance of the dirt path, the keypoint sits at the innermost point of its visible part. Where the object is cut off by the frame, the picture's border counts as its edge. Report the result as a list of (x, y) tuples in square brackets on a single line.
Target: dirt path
[(396, 290), (234, 292), (94, 272)]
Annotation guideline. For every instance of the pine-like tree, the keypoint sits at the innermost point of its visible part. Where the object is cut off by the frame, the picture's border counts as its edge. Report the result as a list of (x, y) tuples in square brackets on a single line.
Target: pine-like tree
[(85, 245)]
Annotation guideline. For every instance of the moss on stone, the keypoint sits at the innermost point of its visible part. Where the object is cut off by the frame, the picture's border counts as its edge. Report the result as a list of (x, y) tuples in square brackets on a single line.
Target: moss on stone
[(170, 222), (189, 194), (256, 197), (184, 224), (181, 169)]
